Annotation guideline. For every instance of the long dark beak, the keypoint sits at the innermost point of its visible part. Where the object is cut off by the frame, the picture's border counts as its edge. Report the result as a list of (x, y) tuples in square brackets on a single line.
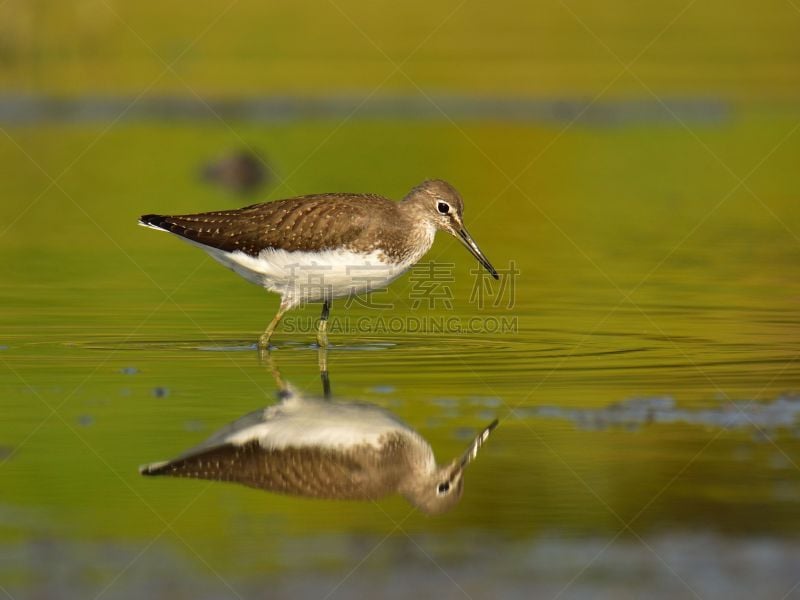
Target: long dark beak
[(467, 240), (476, 444)]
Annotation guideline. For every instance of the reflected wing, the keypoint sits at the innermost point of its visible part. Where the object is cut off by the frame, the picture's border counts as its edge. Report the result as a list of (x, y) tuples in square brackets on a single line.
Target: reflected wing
[(312, 472), (304, 223)]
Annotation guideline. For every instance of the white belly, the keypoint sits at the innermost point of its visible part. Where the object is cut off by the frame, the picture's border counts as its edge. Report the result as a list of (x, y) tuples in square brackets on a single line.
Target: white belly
[(301, 277), (302, 422)]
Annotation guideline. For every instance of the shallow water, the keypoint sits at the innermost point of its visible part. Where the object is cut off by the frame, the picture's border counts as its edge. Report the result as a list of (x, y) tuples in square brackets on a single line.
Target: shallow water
[(644, 370)]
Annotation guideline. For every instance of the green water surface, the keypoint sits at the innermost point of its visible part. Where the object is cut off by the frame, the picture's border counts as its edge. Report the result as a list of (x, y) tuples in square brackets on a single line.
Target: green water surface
[(654, 260)]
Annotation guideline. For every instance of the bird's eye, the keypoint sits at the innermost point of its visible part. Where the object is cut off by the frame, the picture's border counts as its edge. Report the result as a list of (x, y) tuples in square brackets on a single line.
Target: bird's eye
[(443, 207), (443, 487)]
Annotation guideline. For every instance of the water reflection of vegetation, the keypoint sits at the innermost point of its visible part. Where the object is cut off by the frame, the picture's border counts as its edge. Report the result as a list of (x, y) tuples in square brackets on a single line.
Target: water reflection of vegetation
[(716, 320)]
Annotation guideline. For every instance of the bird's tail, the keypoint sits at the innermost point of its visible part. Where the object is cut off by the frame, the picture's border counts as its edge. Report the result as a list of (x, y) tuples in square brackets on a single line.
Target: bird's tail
[(156, 468), (154, 222)]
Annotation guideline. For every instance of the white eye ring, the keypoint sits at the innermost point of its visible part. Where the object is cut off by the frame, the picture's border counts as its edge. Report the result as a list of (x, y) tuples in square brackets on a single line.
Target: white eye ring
[(443, 488), (443, 207)]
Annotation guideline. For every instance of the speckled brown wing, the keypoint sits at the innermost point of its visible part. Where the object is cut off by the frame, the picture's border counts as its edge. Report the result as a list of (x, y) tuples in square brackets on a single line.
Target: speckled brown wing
[(302, 471), (314, 223)]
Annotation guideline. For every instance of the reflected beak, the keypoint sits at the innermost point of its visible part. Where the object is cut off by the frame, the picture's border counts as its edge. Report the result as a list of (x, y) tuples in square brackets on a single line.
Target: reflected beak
[(467, 240), (476, 444)]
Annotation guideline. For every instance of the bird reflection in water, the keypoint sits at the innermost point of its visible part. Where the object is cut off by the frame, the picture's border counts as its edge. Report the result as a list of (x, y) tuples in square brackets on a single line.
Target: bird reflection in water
[(319, 448)]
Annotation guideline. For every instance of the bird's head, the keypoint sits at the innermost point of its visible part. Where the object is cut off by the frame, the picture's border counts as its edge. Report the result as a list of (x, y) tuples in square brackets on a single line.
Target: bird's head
[(441, 490), (440, 204)]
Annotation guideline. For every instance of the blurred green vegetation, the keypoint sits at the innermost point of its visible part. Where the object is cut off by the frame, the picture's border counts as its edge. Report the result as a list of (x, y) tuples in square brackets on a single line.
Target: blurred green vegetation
[(737, 49)]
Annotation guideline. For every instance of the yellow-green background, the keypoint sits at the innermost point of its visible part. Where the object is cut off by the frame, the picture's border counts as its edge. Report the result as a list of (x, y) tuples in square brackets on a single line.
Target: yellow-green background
[(657, 257)]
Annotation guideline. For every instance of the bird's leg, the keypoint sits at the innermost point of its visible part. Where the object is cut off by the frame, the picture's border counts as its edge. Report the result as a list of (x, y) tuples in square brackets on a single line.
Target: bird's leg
[(263, 341), (322, 332), (322, 357), (266, 359)]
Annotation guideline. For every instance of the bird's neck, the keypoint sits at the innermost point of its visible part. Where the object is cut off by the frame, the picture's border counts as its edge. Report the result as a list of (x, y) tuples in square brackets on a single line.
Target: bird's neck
[(417, 226), (420, 462)]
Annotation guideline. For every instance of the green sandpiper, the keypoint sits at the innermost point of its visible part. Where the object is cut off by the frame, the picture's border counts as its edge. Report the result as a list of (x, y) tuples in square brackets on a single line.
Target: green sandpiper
[(324, 246)]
